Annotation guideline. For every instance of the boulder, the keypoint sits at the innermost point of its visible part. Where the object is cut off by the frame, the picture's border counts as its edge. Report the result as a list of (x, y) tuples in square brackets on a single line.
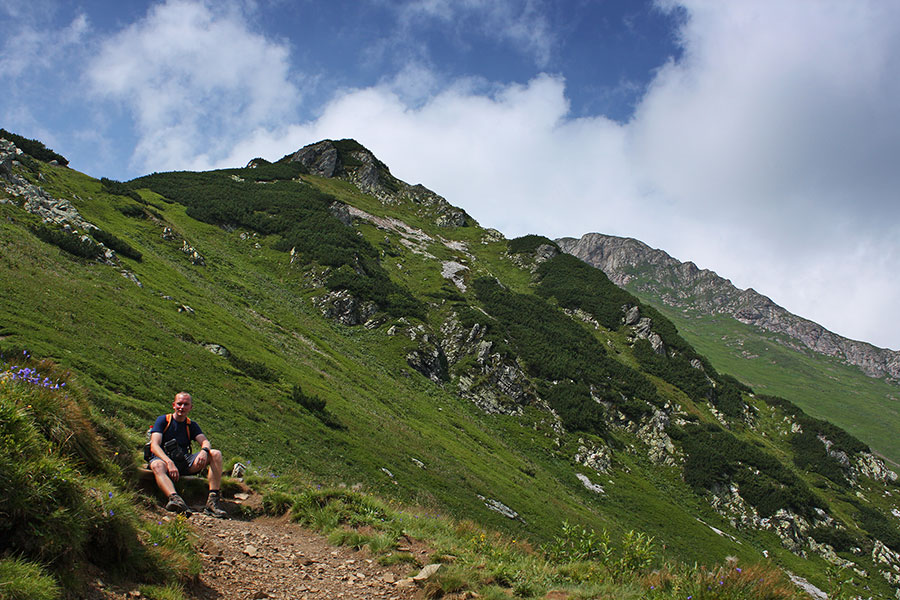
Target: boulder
[(427, 572)]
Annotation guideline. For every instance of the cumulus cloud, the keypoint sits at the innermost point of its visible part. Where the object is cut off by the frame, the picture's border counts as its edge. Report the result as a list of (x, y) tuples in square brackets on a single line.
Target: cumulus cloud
[(784, 104), (196, 79), (777, 134)]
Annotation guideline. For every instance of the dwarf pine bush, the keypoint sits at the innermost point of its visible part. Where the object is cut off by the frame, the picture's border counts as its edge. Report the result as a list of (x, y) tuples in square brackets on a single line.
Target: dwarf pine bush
[(83, 247)]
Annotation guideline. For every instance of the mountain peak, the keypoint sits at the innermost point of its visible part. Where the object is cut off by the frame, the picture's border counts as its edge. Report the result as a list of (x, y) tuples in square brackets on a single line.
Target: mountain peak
[(349, 160), (330, 158)]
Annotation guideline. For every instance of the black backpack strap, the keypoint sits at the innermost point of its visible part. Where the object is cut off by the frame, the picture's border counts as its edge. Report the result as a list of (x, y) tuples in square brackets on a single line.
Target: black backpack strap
[(187, 424)]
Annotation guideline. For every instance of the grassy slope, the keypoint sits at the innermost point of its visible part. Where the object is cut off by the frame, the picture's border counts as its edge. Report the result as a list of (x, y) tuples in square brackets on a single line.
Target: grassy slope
[(823, 387), (134, 350)]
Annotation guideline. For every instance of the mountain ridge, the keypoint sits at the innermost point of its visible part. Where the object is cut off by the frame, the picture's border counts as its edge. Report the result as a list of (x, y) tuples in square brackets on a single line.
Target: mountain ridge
[(631, 263)]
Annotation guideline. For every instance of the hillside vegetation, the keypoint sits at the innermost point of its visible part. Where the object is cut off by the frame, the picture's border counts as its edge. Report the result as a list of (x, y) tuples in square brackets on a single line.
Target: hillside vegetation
[(335, 337), (746, 334)]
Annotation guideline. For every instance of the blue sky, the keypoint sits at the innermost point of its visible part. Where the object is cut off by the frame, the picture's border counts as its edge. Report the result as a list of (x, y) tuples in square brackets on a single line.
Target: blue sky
[(756, 138)]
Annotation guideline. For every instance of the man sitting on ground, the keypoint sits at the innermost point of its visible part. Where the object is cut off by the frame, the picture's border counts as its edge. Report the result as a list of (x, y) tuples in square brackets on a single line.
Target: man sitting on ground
[(170, 444)]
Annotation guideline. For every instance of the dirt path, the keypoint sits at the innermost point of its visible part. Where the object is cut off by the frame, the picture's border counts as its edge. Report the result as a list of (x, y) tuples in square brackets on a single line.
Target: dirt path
[(269, 558)]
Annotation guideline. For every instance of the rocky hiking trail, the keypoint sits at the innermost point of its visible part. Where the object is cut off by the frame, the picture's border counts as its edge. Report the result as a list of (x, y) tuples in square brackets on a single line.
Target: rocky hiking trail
[(273, 558)]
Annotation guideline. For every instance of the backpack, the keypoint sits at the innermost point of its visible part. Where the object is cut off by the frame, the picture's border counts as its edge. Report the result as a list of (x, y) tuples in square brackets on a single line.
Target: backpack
[(148, 454)]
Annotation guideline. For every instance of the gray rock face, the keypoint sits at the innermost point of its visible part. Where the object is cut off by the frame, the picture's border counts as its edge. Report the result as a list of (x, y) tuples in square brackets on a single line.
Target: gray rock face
[(493, 384), (342, 212), (681, 284), (321, 159), (456, 273), (342, 306), (497, 506), (371, 176), (429, 360)]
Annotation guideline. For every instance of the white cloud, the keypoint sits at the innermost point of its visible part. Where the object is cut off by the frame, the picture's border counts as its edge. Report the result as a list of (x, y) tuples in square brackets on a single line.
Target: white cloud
[(521, 23), (32, 48), (778, 133), (196, 79)]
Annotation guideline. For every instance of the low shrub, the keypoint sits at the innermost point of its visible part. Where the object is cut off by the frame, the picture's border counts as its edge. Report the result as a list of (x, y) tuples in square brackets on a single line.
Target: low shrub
[(254, 369), (716, 457), (723, 582), (839, 539), (841, 439), (554, 347), (633, 554), (810, 454), (117, 188), (575, 406), (310, 403), (83, 247), (298, 214), (879, 527), (132, 210), (529, 243), (277, 503), (117, 244)]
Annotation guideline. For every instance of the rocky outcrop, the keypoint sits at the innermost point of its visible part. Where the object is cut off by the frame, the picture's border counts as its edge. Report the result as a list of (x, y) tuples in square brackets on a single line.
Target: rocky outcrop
[(594, 457), (34, 199), (349, 160), (532, 260), (345, 308), (642, 328), (428, 358), (888, 561), (195, 257), (497, 506), (661, 449), (493, 383), (632, 264), (320, 159), (455, 272), (869, 465), (53, 211), (789, 527)]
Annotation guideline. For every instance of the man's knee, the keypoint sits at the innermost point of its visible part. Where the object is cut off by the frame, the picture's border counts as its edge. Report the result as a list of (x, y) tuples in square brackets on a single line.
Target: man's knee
[(158, 467)]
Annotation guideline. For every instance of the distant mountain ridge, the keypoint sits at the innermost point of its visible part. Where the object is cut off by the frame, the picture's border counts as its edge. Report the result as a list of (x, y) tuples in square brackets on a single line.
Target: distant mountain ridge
[(631, 263)]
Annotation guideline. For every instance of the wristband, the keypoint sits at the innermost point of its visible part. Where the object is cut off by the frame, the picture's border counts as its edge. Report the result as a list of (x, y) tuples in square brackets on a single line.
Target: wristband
[(205, 449)]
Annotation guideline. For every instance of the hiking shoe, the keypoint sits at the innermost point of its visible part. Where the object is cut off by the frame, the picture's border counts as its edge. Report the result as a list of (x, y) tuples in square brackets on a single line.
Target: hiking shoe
[(176, 504), (212, 507)]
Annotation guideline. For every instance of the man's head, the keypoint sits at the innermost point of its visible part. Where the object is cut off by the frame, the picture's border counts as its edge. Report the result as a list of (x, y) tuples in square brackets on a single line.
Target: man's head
[(182, 405)]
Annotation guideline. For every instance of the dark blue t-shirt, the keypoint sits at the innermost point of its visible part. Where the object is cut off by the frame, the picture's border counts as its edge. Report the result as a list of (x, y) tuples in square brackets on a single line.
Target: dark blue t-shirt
[(177, 431)]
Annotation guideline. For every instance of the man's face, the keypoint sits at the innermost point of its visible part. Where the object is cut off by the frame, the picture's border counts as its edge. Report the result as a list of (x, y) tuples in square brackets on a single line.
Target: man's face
[(182, 405)]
